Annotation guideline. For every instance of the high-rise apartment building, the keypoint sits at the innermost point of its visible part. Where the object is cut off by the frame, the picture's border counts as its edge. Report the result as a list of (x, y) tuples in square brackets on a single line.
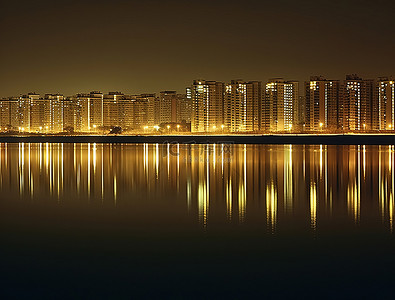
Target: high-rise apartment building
[(152, 106), (356, 104), (53, 112), (112, 111), (184, 108), (69, 114), (89, 112), (385, 93), (5, 114), (322, 99), (168, 106), (25, 103), (241, 106), (207, 106), (278, 109), (39, 117)]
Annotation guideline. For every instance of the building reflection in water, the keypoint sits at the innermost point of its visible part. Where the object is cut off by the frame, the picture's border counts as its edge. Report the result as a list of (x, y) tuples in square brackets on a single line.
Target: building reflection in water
[(211, 183)]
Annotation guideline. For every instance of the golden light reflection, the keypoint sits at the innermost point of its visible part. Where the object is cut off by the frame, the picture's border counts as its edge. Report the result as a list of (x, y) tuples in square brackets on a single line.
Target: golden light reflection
[(242, 192), (229, 199), (271, 206), (313, 205), (391, 212), (288, 177), (203, 202), (294, 179)]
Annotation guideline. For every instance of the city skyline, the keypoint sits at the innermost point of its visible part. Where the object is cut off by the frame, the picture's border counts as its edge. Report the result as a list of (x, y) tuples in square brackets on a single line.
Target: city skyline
[(238, 106)]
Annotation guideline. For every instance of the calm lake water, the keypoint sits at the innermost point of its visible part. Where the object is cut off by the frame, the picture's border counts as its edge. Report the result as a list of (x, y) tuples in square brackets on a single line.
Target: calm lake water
[(196, 221)]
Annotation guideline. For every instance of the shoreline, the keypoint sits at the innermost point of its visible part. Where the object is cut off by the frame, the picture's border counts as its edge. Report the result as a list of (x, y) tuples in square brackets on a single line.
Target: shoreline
[(322, 139)]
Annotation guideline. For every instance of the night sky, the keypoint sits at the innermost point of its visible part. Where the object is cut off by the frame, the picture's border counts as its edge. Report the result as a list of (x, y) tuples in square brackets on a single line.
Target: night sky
[(148, 46)]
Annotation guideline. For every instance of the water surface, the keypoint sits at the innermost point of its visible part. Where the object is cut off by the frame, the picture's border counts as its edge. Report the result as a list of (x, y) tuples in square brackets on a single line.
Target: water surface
[(196, 221)]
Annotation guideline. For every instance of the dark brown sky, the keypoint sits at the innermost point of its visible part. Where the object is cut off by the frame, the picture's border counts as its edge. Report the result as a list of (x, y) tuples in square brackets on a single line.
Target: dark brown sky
[(147, 46)]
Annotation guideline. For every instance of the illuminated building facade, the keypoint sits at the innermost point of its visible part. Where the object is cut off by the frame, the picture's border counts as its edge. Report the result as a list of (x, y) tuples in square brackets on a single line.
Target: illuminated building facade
[(5, 113), (241, 106), (356, 104), (142, 114), (39, 117), (278, 109), (386, 103), (24, 110), (89, 112), (322, 99), (152, 107), (184, 108), (207, 106), (53, 112), (69, 114), (112, 109), (168, 106)]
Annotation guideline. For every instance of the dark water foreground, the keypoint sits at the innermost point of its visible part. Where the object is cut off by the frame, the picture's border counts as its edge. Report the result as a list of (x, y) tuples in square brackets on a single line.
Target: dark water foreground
[(301, 139), (107, 221)]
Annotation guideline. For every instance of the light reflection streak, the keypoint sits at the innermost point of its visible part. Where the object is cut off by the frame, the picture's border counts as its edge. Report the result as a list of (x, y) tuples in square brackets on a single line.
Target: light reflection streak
[(73, 171), (229, 199), (94, 157), (203, 190), (321, 152), (288, 176), (115, 190), (222, 160), (168, 161), (242, 195), (271, 206), (313, 205), (88, 163), (156, 160), (364, 162)]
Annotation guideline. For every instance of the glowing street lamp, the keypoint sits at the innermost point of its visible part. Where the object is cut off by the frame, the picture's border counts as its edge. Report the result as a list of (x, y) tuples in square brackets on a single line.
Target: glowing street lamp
[(168, 128), (222, 127), (156, 127), (178, 127)]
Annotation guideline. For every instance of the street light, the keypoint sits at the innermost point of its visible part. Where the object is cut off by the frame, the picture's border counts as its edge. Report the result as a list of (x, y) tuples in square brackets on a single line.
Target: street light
[(222, 127), (178, 127), (168, 128)]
